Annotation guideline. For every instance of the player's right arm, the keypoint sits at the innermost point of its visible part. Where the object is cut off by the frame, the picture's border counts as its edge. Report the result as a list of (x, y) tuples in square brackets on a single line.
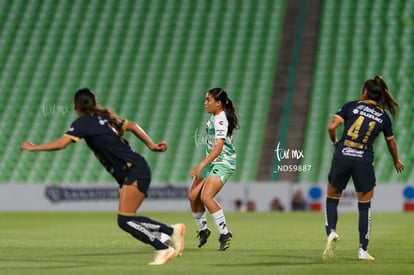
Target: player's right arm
[(335, 122), (217, 149), (58, 144)]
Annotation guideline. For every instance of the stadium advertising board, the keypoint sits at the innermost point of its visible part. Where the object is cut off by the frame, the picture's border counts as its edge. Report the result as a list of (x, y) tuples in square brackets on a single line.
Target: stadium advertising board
[(259, 196)]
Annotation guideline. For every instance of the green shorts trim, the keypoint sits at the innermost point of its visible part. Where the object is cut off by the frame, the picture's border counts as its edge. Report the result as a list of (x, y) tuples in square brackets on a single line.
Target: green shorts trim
[(217, 171)]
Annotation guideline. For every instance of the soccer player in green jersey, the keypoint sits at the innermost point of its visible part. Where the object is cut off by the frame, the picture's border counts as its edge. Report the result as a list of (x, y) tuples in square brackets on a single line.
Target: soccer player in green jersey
[(210, 175)]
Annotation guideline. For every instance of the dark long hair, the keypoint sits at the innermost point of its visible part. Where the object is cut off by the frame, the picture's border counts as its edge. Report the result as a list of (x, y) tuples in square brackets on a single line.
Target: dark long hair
[(378, 91), (220, 94), (86, 101)]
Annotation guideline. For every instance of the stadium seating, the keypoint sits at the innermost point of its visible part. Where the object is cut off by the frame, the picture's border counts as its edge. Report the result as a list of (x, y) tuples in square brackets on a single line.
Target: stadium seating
[(152, 61)]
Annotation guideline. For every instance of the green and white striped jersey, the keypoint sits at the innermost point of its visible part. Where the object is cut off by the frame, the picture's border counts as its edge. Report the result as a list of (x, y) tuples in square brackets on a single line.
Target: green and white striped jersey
[(216, 128)]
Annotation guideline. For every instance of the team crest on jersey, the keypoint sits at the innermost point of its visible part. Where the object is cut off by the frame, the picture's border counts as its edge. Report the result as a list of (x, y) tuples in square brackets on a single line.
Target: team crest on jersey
[(102, 121)]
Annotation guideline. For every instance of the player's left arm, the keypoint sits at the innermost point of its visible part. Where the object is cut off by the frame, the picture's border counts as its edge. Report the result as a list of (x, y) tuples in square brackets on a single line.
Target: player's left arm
[(144, 137), (57, 144), (392, 148)]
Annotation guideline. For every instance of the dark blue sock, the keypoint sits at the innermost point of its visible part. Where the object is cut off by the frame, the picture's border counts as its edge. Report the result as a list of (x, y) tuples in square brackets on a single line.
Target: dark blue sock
[(155, 225), (364, 223), (331, 215), (139, 231)]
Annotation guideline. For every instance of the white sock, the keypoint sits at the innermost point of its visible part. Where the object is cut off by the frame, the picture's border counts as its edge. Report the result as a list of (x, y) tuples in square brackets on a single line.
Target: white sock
[(220, 221), (200, 219)]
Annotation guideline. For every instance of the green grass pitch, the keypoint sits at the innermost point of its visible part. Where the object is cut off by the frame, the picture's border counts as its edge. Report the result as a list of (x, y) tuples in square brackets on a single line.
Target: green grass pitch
[(263, 243)]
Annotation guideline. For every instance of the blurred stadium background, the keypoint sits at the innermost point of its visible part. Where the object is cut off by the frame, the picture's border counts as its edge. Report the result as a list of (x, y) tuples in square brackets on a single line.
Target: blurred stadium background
[(287, 64)]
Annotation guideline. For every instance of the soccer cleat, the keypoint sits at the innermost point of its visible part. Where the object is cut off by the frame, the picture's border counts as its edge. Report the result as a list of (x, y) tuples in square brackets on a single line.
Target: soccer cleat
[(225, 240), (363, 255), (330, 246), (163, 256), (177, 238), (203, 236)]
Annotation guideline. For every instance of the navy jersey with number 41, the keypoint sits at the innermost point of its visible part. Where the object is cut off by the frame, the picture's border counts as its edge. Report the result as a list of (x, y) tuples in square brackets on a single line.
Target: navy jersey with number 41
[(363, 122)]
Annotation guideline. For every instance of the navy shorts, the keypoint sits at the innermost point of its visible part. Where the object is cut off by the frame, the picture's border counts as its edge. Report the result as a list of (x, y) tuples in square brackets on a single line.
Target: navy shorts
[(140, 175), (362, 173)]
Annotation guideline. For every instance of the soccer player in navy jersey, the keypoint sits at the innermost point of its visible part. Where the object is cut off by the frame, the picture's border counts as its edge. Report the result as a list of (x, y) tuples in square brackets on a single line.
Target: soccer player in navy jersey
[(102, 130), (363, 121)]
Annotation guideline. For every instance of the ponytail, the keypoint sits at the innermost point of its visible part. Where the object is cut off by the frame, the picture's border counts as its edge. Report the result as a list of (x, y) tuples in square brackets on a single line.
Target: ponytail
[(378, 91), (221, 95), (86, 101)]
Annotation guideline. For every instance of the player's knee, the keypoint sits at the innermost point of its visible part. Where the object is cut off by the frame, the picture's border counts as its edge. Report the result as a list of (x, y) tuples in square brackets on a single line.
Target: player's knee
[(123, 222), (192, 196), (206, 198), (364, 205)]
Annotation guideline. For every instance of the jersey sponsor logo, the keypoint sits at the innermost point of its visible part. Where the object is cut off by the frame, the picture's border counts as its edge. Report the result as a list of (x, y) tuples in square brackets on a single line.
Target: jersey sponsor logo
[(220, 133), (357, 109), (71, 129), (372, 111), (351, 152), (368, 112)]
